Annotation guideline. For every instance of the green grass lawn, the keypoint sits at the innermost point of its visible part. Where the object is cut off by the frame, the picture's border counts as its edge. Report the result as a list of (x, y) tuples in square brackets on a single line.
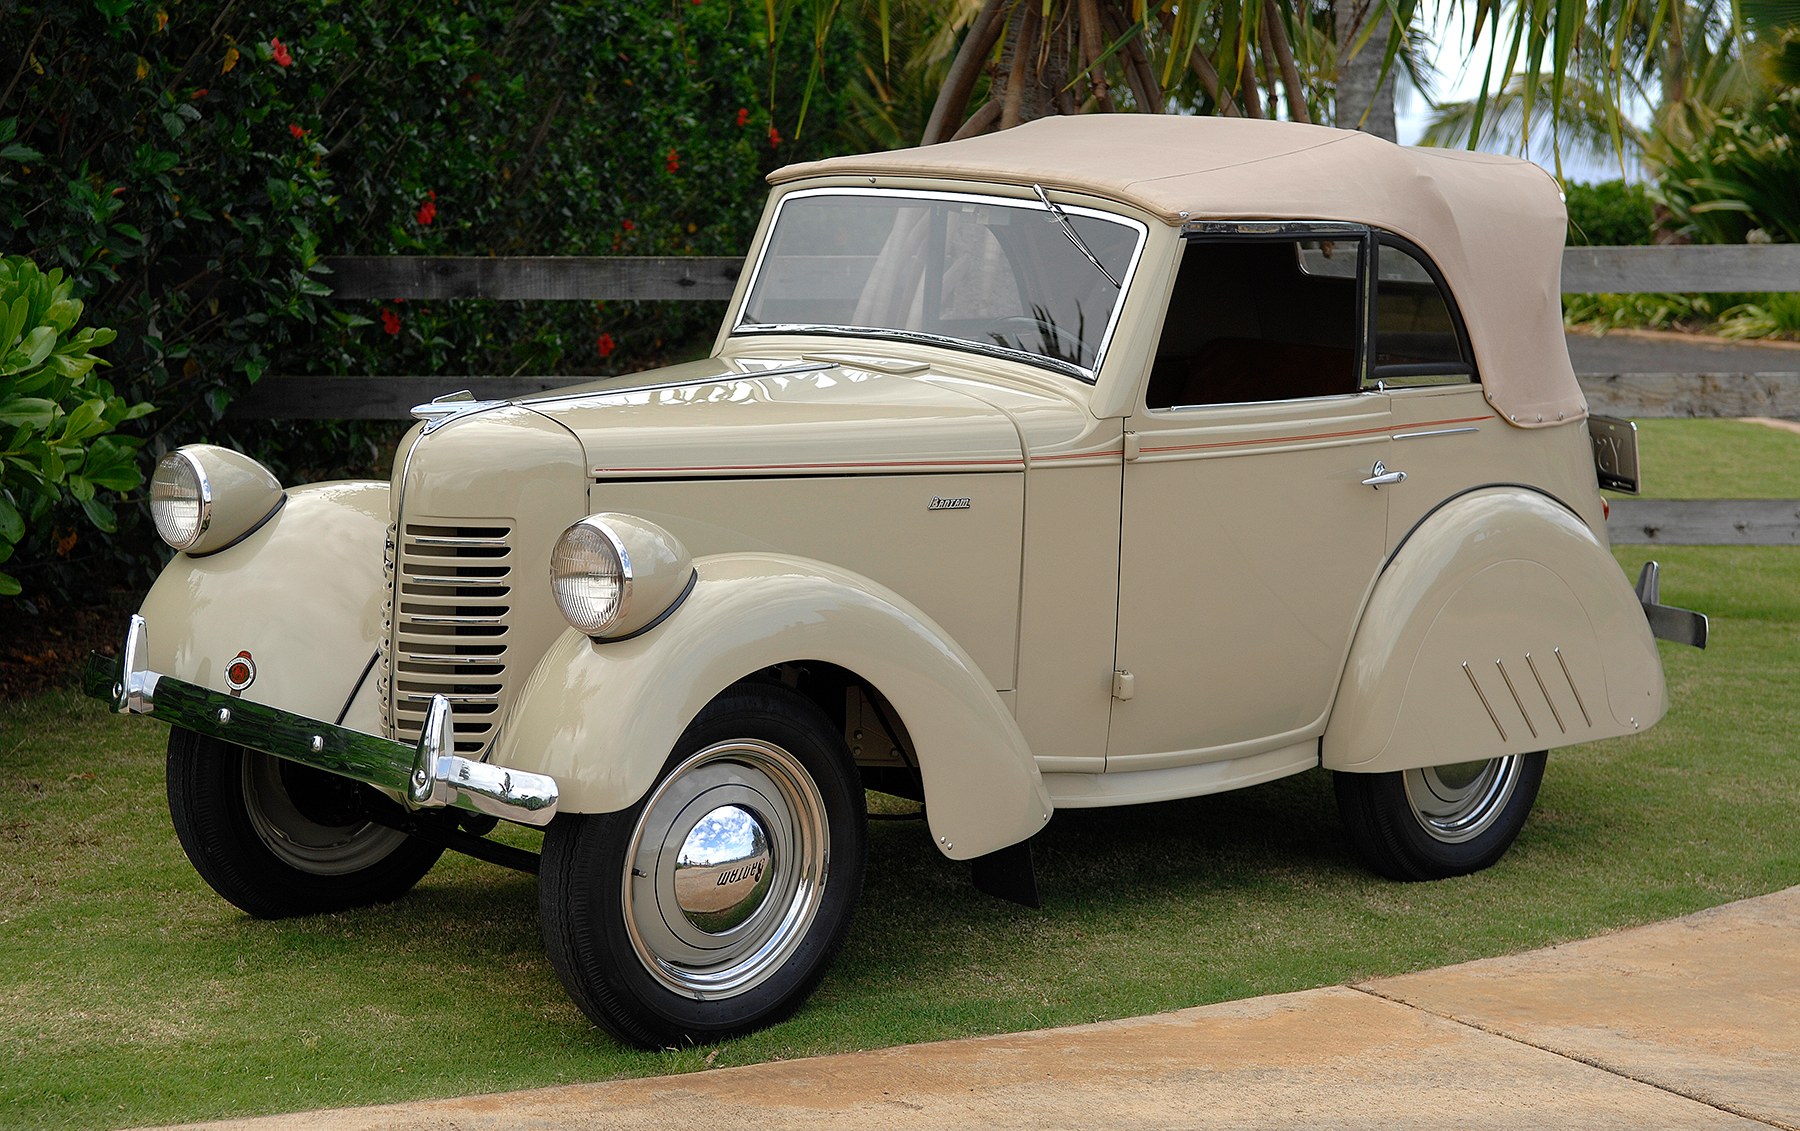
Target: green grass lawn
[(130, 994)]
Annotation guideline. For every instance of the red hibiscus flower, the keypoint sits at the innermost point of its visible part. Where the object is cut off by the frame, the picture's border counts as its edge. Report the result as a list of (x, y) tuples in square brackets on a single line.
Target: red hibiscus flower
[(428, 208), (743, 116), (774, 137), (390, 322), (280, 51), (296, 130), (628, 225), (672, 162), (605, 344)]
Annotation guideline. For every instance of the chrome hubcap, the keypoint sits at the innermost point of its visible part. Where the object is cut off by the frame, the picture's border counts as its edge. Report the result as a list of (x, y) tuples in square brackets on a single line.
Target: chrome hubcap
[(1459, 802), (298, 840), (726, 869)]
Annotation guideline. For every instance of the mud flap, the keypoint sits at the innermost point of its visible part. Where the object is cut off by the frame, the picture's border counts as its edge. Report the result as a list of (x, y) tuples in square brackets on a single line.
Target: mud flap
[(1007, 874)]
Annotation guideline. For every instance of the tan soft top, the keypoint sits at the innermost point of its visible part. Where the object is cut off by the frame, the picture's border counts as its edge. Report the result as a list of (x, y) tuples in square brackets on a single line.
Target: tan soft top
[(1494, 225)]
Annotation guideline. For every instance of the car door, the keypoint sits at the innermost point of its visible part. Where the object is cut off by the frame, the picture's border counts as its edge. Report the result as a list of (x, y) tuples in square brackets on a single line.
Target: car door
[(1253, 518), (1447, 438)]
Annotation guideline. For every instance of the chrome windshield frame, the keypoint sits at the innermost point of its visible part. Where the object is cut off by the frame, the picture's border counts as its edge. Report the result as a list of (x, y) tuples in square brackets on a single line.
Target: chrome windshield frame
[(1024, 202)]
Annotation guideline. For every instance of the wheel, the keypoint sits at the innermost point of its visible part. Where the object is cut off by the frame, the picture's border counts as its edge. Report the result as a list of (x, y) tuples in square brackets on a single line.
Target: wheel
[(1440, 821), (279, 839), (714, 905)]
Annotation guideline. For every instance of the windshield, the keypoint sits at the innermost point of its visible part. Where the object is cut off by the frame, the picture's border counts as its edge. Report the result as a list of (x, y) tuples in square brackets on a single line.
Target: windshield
[(984, 273)]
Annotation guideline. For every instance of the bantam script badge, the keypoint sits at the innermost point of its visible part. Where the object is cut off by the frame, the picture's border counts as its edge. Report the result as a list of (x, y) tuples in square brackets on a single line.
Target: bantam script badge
[(240, 672), (938, 503)]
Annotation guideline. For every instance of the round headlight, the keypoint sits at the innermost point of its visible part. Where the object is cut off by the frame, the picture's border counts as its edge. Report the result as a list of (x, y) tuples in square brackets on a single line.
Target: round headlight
[(180, 499), (206, 499), (590, 573), (616, 575)]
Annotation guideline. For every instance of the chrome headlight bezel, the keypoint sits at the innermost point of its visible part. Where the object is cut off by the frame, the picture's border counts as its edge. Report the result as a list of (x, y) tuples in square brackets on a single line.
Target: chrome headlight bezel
[(641, 570), (179, 530), (590, 615), (205, 498)]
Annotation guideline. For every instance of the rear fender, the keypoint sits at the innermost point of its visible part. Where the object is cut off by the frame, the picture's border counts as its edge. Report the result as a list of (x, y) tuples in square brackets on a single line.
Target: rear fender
[(601, 718), (296, 607), (1501, 626)]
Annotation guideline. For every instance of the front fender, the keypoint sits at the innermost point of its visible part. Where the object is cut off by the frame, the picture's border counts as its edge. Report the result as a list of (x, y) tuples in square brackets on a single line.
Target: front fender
[(1501, 626), (602, 718), (302, 596)]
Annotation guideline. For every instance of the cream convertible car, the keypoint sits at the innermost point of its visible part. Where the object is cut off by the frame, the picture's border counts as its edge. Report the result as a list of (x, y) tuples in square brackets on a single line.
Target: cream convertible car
[(1097, 462)]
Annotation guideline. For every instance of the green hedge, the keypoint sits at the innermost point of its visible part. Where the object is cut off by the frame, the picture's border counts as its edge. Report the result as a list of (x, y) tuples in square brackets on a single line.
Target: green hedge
[(1609, 214), (1738, 181), (189, 164)]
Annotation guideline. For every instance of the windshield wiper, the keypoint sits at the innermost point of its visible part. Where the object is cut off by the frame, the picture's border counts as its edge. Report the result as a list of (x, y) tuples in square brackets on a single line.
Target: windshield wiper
[(1074, 236)]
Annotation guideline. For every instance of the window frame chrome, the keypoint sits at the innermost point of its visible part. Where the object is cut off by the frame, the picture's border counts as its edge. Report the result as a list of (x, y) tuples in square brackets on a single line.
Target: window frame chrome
[(1023, 202), (1373, 374), (1293, 231)]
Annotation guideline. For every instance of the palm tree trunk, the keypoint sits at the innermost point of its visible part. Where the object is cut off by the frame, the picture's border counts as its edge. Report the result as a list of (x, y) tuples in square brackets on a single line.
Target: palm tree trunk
[(1143, 82), (1364, 100), (1091, 47), (965, 70), (1283, 50), (1018, 85), (1209, 78)]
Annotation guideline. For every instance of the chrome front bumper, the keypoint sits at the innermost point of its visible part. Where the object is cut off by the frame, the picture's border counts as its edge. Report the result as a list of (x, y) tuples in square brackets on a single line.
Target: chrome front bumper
[(428, 776)]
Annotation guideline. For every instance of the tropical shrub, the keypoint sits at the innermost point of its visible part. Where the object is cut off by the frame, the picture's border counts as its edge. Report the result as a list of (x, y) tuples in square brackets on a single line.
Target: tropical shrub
[(56, 414), (1764, 316), (189, 166), (1735, 182), (1599, 313), (225, 148), (1609, 214)]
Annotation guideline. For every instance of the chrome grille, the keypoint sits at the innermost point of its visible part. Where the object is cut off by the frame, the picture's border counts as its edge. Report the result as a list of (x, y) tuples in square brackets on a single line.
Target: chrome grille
[(452, 597)]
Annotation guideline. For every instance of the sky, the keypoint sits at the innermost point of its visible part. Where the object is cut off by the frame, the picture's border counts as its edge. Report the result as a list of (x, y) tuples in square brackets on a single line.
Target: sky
[(1459, 79)]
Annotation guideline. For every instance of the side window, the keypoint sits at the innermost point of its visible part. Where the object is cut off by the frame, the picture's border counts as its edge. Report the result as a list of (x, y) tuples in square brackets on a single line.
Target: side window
[(1259, 319), (1419, 337)]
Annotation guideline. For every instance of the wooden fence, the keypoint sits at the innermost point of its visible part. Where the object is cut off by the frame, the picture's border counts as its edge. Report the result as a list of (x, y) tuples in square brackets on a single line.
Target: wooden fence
[(1586, 270)]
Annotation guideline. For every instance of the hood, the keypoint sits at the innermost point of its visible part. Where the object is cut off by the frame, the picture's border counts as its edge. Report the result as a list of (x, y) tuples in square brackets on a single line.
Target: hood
[(754, 418)]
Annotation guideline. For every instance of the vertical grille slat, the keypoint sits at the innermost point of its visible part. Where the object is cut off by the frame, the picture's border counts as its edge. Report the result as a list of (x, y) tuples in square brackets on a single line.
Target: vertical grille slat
[(450, 623)]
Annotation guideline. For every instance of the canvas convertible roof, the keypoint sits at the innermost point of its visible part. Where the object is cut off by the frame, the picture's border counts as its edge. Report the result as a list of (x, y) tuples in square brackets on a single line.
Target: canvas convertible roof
[(1494, 225)]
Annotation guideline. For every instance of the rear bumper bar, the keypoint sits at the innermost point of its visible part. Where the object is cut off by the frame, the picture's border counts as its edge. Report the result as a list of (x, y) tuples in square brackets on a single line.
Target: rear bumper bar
[(1683, 626), (427, 776)]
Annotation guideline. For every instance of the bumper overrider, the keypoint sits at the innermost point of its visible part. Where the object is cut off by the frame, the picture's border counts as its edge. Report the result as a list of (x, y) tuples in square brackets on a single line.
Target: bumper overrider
[(1681, 626), (428, 776)]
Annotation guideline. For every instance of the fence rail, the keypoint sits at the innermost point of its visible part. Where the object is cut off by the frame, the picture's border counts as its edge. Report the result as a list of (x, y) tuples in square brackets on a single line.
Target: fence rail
[(1705, 522), (1586, 270), (1683, 270), (535, 278)]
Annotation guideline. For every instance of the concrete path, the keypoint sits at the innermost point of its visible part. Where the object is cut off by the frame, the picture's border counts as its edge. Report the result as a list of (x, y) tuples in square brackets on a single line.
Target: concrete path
[(1691, 1023)]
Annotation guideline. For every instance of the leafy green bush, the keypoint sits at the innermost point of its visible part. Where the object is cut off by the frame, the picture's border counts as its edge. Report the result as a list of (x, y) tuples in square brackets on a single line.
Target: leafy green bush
[(1609, 214), (1603, 312), (55, 412), (223, 149), (1765, 316), (1736, 181), (189, 165)]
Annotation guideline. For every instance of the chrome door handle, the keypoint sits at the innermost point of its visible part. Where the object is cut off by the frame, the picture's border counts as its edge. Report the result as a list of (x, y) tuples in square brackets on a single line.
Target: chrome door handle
[(1382, 477)]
